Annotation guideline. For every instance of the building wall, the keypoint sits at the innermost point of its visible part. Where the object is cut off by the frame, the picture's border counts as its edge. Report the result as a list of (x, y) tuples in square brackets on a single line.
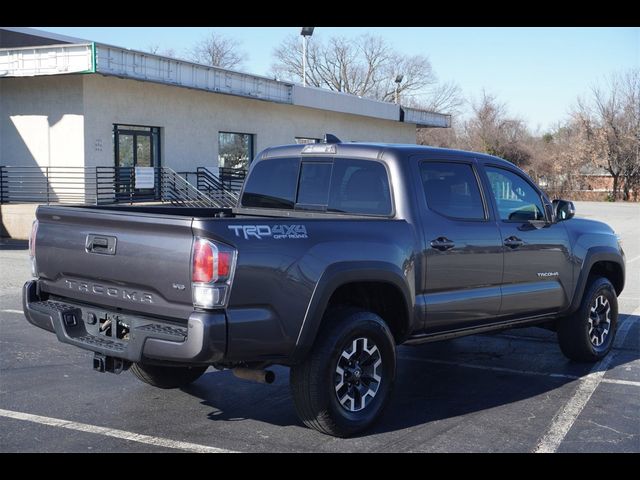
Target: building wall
[(191, 119), (41, 121), (67, 120)]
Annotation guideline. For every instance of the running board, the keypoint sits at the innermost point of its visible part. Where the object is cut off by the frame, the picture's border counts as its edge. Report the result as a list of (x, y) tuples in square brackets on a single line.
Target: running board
[(463, 332)]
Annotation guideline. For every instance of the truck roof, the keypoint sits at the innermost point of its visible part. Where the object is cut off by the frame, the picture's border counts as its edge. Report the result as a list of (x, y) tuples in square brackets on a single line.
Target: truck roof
[(372, 150)]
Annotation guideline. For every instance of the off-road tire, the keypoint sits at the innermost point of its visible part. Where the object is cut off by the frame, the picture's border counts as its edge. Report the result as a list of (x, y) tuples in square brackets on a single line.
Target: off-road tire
[(315, 383), (576, 333), (166, 377)]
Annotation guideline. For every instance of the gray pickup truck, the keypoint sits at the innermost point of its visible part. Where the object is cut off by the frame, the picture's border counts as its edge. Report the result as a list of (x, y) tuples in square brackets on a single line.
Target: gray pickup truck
[(335, 254)]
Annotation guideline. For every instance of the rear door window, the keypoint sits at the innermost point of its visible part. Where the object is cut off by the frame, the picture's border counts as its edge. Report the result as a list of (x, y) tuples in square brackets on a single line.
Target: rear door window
[(452, 190)]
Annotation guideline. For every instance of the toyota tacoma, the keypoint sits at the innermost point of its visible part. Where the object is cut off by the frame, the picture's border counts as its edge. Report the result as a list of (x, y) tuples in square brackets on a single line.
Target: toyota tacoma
[(335, 254)]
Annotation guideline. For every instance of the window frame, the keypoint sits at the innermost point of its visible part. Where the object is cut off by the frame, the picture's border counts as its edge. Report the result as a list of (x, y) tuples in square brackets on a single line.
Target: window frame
[(252, 148), (470, 163), (536, 190), (151, 131)]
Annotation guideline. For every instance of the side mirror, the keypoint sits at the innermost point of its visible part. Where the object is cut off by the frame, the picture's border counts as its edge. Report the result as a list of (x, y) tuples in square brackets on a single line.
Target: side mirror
[(563, 209)]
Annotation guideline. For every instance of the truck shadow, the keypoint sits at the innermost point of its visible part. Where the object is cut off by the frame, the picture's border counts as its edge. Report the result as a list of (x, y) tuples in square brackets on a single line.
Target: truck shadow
[(434, 382), (13, 244)]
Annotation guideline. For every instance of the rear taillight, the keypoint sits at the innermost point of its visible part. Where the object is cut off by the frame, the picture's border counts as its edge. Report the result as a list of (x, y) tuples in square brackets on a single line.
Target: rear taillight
[(32, 248), (224, 264), (203, 261), (211, 273)]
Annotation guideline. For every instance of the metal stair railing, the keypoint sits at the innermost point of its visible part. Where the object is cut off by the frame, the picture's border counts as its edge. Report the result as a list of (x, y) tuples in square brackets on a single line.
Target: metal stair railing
[(177, 191), (232, 178), (107, 185), (216, 189)]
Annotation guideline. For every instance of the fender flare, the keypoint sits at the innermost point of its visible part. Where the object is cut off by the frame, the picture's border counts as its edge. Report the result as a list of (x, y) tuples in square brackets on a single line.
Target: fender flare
[(594, 255), (335, 276)]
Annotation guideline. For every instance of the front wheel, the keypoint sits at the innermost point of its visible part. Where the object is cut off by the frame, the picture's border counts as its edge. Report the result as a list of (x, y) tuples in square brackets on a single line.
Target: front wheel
[(345, 382), (587, 335), (166, 377)]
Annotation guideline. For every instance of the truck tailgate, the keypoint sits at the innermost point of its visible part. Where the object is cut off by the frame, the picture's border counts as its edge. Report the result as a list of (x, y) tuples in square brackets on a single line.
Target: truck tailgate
[(132, 261)]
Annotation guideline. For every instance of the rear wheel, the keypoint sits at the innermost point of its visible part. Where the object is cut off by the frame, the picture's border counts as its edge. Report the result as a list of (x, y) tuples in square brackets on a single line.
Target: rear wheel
[(588, 334), (167, 377), (345, 382)]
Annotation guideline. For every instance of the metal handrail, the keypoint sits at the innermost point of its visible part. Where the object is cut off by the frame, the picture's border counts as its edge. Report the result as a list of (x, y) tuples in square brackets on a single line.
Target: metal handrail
[(216, 188), (178, 191), (96, 185)]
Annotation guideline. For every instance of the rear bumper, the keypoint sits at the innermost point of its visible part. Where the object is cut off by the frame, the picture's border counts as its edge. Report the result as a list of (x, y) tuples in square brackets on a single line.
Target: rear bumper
[(202, 341)]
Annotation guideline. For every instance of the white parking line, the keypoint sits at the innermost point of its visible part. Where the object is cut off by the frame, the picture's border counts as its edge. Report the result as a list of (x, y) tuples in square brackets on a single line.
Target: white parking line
[(112, 432), (514, 370), (621, 382), (567, 415), (489, 367), (633, 259), (8, 310)]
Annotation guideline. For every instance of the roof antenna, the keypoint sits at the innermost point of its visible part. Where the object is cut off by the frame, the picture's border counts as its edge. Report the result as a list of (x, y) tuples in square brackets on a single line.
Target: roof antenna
[(329, 138)]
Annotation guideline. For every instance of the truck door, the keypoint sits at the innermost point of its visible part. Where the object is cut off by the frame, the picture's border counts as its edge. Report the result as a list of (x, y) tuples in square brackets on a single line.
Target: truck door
[(463, 251), (537, 256)]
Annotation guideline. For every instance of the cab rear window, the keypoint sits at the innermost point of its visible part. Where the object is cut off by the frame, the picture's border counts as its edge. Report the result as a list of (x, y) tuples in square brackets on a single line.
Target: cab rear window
[(340, 185), (272, 184)]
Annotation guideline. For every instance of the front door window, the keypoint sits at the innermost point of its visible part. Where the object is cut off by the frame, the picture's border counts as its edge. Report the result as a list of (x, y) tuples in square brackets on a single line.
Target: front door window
[(125, 151)]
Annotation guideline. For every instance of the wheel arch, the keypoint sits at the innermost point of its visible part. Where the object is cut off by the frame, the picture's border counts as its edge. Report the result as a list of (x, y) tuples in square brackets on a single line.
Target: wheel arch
[(602, 261), (351, 279)]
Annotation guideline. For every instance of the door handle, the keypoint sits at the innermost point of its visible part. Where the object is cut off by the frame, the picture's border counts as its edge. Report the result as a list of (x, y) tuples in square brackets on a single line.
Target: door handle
[(100, 244), (442, 244), (513, 242)]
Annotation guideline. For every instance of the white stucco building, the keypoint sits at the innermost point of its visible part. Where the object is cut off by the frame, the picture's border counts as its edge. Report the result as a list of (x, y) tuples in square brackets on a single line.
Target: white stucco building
[(72, 102)]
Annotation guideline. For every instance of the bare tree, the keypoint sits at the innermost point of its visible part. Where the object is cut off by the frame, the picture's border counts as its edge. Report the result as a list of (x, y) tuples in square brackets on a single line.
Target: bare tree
[(441, 137), (218, 51), (367, 67), (557, 159), (602, 131), (165, 52), (444, 97), (609, 124), (630, 91), (491, 130)]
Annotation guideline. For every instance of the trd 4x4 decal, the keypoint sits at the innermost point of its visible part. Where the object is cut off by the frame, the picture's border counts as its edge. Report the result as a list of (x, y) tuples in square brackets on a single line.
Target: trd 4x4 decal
[(277, 232)]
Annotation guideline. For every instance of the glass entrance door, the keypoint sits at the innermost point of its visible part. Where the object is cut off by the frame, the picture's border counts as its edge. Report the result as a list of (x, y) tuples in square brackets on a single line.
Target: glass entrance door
[(135, 146)]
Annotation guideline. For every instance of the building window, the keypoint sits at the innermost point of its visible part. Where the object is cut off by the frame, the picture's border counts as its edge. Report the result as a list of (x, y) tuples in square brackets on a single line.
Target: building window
[(305, 140), (136, 146), (235, 150)]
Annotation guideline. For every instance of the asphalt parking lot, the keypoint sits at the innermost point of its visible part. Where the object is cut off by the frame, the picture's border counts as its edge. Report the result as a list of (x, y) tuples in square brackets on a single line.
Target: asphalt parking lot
[(508, 392)]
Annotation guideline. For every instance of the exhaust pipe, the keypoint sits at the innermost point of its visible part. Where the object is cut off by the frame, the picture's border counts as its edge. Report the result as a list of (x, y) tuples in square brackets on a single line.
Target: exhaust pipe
[(254, 375)]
